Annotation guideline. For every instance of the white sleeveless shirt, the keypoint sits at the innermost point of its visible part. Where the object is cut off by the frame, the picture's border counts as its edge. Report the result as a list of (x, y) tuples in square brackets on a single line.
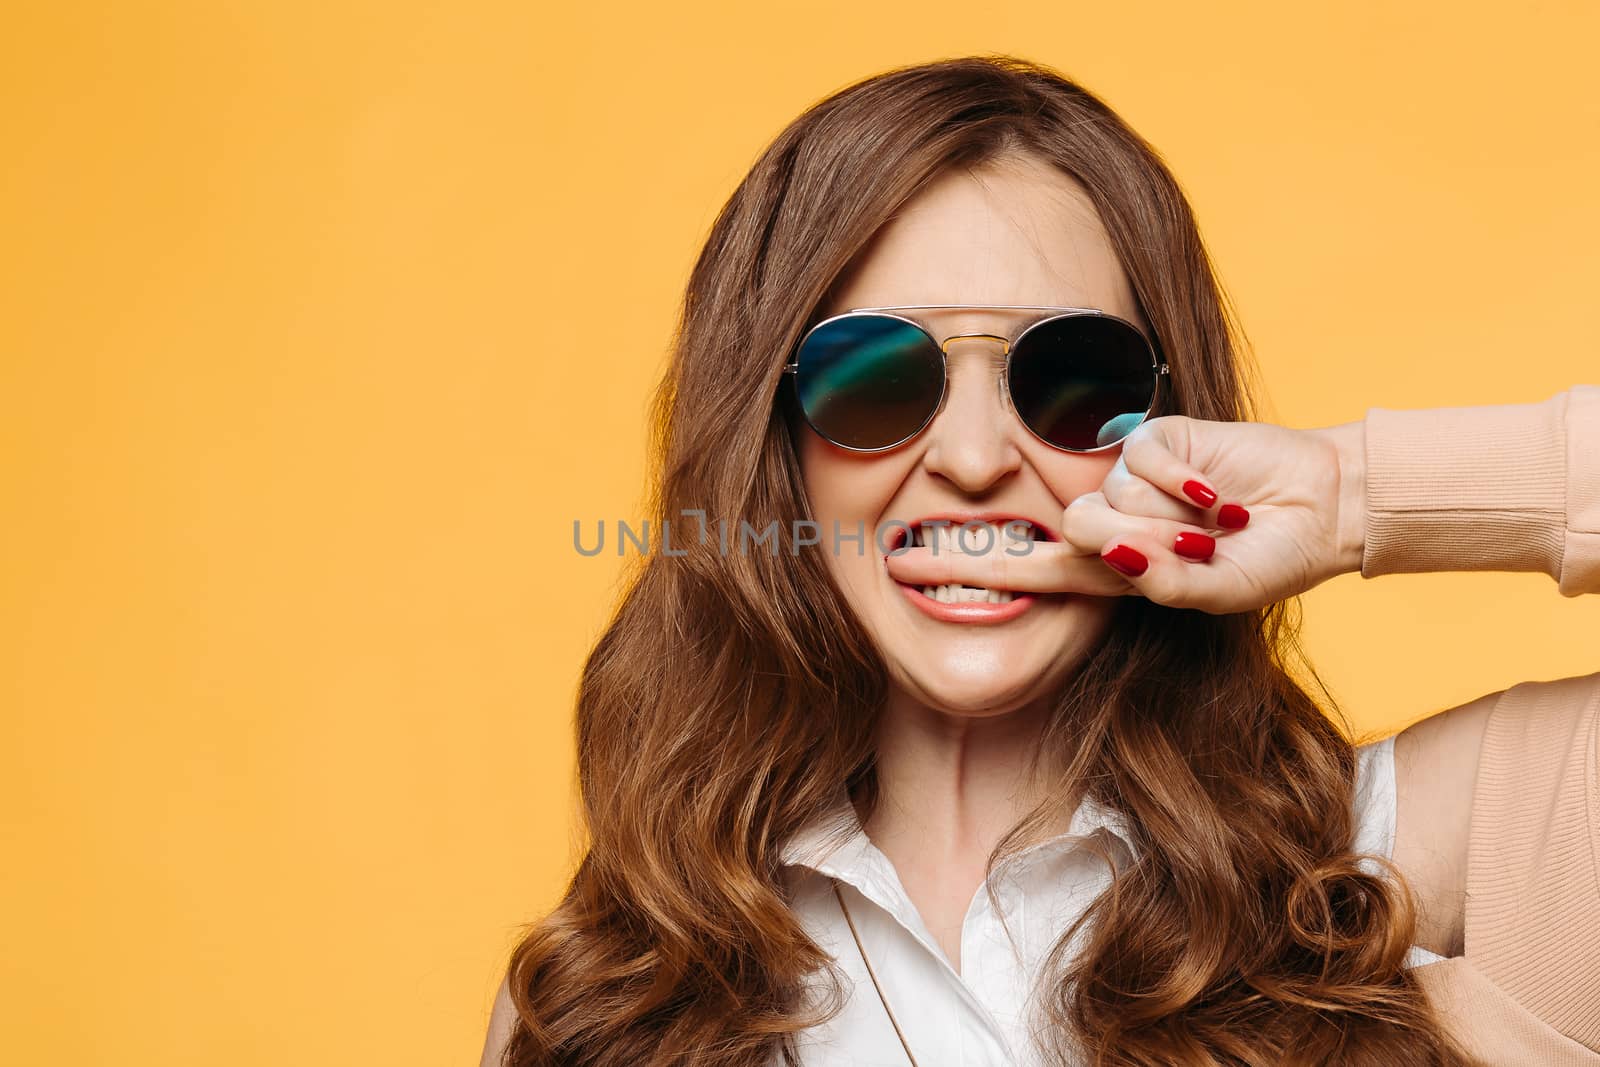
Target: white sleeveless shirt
[(976, 1017)]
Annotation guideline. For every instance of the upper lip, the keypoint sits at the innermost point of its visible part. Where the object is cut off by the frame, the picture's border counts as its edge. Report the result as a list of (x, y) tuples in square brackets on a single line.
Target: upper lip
[(956, 518)]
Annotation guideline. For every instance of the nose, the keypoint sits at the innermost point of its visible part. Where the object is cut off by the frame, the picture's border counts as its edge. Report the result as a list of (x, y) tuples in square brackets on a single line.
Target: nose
[(972, 441)]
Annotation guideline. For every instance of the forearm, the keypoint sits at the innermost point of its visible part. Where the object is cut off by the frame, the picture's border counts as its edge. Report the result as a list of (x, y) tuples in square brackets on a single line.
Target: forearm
[(1507, 487)]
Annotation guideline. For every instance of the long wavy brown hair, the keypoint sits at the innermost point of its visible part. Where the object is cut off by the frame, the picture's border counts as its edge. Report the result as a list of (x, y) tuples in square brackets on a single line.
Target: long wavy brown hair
[(732, 691)]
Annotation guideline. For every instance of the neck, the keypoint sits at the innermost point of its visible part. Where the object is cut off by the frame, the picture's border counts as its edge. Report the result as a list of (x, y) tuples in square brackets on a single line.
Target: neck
[(950, 786)]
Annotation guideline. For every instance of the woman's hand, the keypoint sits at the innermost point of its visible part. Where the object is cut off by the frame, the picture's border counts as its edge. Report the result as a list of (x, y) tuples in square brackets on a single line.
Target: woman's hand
[(1302, 521)]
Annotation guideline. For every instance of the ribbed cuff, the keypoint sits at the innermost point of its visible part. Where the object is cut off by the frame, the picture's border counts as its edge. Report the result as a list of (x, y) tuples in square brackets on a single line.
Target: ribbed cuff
[(1466, 488)]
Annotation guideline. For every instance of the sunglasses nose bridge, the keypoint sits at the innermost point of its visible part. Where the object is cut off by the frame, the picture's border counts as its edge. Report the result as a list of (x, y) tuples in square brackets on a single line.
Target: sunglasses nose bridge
[(1005, 350), (1005, 342)]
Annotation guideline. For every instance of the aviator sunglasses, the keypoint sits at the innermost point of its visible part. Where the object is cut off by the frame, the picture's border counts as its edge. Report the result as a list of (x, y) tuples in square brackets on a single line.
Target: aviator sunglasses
[(1079, 379)]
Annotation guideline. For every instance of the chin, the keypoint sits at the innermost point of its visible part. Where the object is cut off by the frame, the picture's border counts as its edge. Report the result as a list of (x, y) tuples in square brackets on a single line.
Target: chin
[(981, 673), (981, 690)]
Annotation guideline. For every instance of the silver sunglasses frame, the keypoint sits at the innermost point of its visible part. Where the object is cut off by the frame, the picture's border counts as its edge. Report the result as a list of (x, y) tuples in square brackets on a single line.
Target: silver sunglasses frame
[(1158, 365)]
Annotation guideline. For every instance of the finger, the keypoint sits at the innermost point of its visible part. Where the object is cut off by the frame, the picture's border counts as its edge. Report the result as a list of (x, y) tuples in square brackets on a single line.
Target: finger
[(1089, 524), (1154, 452), (1025, 567), (1162, 576), (1134, 495)]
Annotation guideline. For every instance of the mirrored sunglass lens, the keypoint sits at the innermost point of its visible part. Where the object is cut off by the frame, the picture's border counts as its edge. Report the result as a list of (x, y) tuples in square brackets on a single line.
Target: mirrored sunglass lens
[(868, 381), (1082, 382)]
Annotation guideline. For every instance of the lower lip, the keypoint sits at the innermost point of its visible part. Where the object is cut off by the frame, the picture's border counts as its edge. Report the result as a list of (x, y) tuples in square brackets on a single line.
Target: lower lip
[(971, 611)]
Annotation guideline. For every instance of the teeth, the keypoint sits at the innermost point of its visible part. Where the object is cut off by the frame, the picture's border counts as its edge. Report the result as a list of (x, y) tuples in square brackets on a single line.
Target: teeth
[(945, 539), (966, 594)]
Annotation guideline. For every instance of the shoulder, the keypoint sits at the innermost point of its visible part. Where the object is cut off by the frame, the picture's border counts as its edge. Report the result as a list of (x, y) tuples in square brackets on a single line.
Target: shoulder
[(1448, 765), (1435, 779), (502, 1018)]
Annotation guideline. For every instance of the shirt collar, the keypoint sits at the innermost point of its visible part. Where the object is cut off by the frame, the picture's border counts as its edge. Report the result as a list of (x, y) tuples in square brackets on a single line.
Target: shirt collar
[(837, 829)]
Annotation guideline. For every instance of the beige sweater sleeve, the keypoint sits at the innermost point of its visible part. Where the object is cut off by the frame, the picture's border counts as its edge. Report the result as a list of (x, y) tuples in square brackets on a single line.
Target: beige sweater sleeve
[(1513, 487), (1504, 487)]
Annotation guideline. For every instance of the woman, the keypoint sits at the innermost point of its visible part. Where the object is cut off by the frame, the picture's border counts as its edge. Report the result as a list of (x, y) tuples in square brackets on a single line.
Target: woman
[(1047, 793)]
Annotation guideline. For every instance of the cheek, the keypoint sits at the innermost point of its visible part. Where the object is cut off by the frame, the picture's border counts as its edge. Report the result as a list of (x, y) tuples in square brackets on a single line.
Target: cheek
[(852, 494), (845, 486), (1070, 476)]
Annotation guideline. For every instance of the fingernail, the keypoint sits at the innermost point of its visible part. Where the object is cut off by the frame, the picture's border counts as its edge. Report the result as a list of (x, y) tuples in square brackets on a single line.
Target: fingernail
[(1194, 545), (1127, 560), (1232, 516), (1199, 493)]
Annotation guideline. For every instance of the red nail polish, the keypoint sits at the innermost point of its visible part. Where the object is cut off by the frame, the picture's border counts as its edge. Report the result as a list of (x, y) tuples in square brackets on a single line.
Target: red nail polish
[(1232, 516), (1127, 560), (1194, 545), (1199, 493)]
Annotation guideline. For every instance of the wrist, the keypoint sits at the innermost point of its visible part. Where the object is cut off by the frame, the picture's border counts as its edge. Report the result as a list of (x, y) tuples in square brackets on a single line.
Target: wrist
[(1348, 441)]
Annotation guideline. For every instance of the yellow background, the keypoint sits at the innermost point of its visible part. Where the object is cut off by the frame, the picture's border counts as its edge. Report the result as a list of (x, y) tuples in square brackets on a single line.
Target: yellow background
[(320, 323)]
